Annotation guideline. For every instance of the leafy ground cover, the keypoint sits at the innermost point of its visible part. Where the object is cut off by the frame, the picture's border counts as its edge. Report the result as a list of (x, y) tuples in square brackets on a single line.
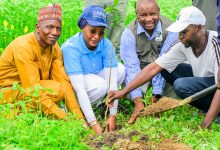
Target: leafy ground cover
[(174, 129)]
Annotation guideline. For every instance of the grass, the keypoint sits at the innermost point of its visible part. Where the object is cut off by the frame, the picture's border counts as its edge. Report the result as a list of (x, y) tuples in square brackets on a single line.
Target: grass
[(181, 124), (29, 131), (32, 131)]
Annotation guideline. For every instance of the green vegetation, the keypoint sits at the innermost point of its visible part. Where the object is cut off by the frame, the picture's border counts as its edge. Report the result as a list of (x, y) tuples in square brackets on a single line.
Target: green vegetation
[(29, 131), (32, 131), (20, 17)]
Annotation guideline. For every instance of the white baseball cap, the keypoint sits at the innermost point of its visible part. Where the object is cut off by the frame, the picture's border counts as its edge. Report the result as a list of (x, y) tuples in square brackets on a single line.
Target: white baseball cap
[(187, 16)]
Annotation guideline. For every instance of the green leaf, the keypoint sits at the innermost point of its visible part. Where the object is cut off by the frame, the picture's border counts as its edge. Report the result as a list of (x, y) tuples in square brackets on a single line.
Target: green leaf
[(116, 2), (1, 95), (135, 138), (15, 86), (36, 93)]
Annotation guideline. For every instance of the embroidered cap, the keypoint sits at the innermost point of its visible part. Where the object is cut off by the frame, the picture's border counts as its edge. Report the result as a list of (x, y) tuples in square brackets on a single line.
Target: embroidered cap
[(187, 16), (95, 16), (51, 12)]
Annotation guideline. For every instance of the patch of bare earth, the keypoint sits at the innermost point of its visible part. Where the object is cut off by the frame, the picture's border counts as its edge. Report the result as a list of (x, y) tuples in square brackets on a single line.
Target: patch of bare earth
[(171, 145), (132, 141), (119, 141), (163, 104)]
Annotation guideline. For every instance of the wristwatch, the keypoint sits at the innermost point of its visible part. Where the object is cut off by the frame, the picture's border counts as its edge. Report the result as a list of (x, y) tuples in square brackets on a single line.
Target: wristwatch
[(156, 95)]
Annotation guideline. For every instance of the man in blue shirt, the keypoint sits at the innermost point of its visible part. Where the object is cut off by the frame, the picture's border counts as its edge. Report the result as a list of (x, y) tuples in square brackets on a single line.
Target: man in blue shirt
[(142, 42)]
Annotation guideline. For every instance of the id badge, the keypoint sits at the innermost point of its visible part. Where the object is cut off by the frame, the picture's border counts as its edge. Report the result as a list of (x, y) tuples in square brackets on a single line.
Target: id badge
[(159, 37)]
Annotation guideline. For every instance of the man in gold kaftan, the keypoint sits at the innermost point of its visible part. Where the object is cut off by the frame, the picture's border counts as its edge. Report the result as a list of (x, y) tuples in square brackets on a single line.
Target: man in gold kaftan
[(36, 58)]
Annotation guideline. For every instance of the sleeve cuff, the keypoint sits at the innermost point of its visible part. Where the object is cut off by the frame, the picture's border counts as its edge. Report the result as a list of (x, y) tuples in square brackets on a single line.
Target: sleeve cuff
[(113, 110), (157, 91)]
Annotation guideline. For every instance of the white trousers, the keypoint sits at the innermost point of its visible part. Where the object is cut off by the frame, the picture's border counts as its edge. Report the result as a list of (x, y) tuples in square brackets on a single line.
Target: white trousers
[(91, 88), (97, 84)]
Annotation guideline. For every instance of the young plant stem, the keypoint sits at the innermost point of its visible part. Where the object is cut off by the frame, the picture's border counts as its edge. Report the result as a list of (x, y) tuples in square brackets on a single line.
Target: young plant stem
[(109, 82)]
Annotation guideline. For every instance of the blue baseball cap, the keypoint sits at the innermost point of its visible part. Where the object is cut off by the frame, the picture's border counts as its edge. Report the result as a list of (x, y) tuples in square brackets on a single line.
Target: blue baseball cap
[(95, 16)]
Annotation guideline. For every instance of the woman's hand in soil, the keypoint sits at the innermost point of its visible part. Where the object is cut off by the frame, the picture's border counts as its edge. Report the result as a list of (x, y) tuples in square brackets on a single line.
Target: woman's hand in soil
[(110, 125), (115, 95)]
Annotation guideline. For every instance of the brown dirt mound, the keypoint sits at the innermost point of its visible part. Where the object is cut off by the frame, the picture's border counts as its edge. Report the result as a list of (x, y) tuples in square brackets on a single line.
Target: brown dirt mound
[(163, 104), (171, 145), (132, 141)]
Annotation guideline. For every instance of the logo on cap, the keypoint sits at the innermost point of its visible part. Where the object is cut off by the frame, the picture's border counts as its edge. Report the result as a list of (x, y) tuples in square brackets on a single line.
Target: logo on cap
[(99, 14)]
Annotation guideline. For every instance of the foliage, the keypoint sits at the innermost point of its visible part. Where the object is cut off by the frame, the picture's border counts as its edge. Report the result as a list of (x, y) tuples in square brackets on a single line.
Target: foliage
[(20, 17), (32, 130), (182, 125), (16, 20), (28, 131)]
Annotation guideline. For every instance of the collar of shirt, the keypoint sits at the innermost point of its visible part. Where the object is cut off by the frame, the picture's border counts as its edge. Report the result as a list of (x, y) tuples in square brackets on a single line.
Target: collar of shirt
[(158, 28), (85, 49)]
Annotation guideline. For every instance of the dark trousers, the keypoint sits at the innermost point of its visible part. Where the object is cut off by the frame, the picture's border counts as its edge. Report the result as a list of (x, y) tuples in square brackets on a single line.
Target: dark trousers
[(185, 85)]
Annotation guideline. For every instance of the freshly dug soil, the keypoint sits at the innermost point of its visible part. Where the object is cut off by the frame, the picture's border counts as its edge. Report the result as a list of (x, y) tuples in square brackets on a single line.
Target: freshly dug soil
[(119, 141), (171, 145), (163, 104)]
